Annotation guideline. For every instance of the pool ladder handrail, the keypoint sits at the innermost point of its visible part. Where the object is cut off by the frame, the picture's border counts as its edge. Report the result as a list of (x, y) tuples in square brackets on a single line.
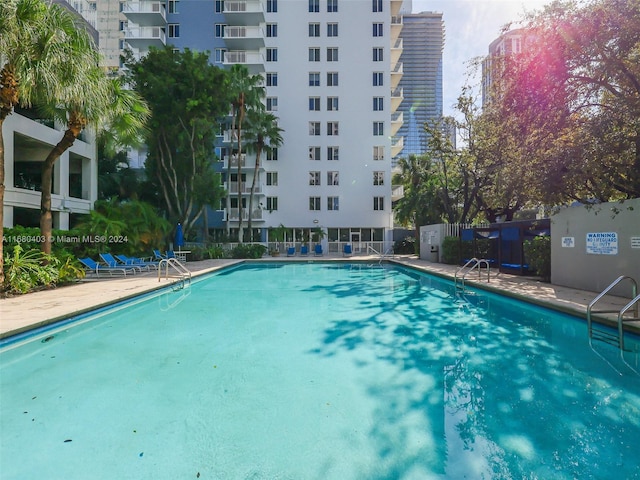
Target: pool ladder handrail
[(183, 273), (632, 307), (387, 253), (473, 263)]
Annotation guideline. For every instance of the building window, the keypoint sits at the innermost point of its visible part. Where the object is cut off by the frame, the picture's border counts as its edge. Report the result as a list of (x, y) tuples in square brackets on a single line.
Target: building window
[(332, 128), (272, 104), (314, 6), (378, 53), (272, 54), (314, 104), (272, 29), (332, 79), (332, 178), (173, 6), (332, 203), (272, 154), (333, 153), (378, 30), (314, 54), (219, 30), (332, 29), (314, 128), (219, 6), (378, 129), (378, 203), (378, 79), (174, 30), (378, 152), (314, 203), (272, 203), (272, 6), (272, 179), (377, 6), (272, 79), (122, 26), (378, 104), (332, 104), (314, 79), (378, 178), (219, 54), (314, 178), (332, 5), (332, 54), (314, 153), (314, 29)]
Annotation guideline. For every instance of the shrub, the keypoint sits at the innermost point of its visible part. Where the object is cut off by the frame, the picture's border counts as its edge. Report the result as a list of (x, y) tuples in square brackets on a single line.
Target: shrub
[(406, 246), (454, 250), (538, 255), (248, 250)]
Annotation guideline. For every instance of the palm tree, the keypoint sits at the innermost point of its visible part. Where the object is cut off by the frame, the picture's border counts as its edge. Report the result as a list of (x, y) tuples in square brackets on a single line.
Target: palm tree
[(105, 104), (34, 45), (247, 93), (263, 134)]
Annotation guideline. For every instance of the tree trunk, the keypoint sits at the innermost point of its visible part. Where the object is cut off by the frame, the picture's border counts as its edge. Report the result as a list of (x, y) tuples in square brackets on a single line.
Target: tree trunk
[(253, 187), (240, 232), (2, 117), (46, 218)]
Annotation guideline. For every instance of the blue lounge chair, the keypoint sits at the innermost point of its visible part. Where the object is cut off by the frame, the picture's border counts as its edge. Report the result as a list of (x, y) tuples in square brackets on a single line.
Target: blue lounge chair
[(111, 261), (137, 261), (318, 250), (291, 251), (91, 266), (157, 255), (346, 251), (304, 250)]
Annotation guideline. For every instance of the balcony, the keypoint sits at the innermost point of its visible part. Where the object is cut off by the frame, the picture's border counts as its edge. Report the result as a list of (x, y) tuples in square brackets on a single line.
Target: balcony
[(397, 71), (143, 38), (233, 214), (243, 12), (245, 188), (397, 144), (243, 37), (396, 51), (145, 13), (395, 7), (396, 26), (397, 96), (397, 119), (234, 161), (252, 59)]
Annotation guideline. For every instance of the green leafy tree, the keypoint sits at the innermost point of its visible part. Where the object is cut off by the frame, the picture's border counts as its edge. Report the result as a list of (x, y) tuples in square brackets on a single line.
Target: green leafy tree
[(247, 93), (187, 96), (263, 135)]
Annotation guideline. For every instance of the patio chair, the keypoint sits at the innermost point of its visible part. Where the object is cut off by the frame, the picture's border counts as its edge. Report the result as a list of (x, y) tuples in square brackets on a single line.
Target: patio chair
[(157, 255), (111, 261), (347, 251), (91, 266), (291, 251), (318, 250), (304, 250), (137, 261)]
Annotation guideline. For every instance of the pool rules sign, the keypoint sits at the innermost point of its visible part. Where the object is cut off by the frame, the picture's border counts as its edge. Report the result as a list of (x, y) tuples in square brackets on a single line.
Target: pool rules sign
[(602, 243)]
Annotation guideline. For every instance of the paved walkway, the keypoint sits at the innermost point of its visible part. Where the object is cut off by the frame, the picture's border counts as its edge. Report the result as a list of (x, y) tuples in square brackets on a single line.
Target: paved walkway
[(22, 313)]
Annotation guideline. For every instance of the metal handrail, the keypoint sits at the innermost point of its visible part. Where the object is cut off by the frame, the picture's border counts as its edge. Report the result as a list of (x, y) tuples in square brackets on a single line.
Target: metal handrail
[(633, 303), (477, 263), (183, 272)]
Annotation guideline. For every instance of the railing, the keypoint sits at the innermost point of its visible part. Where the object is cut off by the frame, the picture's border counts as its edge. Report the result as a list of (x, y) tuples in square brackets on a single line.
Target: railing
[(632, 307), (182, 273), (472, 264)]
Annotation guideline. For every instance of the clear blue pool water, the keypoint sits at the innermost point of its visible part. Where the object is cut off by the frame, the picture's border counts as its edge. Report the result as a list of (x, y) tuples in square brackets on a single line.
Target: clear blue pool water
[(319, 371)]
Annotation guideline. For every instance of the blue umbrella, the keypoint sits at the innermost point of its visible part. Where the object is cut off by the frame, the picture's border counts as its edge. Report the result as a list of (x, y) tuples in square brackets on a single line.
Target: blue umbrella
[(179, 239)]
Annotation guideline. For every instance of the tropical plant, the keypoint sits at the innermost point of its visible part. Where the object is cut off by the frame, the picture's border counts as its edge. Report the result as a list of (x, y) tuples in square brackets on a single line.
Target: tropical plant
[(263, 134), (26, 270), (36, 45), (247, 93)]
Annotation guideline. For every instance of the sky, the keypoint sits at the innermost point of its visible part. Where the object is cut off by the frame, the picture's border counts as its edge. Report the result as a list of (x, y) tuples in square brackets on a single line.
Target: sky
[(470, 26)]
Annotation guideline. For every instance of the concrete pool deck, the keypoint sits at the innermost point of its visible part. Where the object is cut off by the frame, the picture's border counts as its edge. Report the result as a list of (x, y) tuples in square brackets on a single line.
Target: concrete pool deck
[(25, 312)]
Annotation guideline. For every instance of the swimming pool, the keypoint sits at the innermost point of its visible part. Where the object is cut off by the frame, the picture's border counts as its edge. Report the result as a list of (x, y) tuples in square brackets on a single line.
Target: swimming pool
[(319, 371)]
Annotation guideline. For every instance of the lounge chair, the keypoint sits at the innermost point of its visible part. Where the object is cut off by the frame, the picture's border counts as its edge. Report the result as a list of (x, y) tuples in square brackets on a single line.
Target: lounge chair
[(137, 261), (291, 251), (157, 255), (347, 251), (111, 261), (304, 250), (318, 250), (91, 266)]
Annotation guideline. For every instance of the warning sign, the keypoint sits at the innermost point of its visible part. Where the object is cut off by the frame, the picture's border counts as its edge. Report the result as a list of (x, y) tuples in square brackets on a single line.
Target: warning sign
[(602, 243)]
